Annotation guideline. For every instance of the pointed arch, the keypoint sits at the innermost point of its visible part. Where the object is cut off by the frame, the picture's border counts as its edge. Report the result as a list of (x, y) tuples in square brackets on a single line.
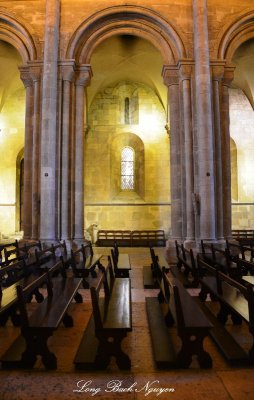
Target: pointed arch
[(135, 20), (234, 34), (16, 31)]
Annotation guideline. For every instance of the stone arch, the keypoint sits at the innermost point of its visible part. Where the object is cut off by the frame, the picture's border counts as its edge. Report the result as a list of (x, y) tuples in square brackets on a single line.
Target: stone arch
[(236, 32), (135, 20), (17, 32)]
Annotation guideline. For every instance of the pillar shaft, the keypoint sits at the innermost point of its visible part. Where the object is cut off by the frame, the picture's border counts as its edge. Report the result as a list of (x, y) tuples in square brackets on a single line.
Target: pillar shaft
[(36, 77), (83, 79), (28, 161), (170, 75), (48, 124), (204, 123), (185, 76), (217, 73), (226, 174), (66, 150)]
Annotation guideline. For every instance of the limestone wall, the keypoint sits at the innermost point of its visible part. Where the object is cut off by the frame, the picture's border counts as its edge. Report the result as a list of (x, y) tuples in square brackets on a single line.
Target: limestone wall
[(12, 114), (146, 207)]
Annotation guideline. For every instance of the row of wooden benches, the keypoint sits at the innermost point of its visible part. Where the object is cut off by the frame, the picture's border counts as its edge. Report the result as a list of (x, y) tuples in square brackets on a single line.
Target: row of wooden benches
[(227, 277), (138, 238), (111, 316)]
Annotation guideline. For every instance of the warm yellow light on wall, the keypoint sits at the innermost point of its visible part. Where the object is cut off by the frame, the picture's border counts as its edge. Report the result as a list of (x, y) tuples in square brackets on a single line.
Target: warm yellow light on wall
[(151, 124)]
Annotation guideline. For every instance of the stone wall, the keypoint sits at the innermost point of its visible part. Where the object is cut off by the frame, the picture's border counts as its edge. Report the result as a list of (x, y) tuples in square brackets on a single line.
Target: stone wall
[(105, 139)]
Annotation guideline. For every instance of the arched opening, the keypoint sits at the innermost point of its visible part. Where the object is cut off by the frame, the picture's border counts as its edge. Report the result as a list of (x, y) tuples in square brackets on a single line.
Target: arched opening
[(241, 131), (12, 127), (127, 105)]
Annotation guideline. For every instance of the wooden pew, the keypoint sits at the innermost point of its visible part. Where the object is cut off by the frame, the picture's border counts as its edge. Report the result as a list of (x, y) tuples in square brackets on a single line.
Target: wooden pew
[(191, 323), (60, 252), (110, 322), (137, 238), (187, 265), (235, 300), (84, 262), (12, 275), (237, 250), (244, 236), (121, 263), (36, 328)]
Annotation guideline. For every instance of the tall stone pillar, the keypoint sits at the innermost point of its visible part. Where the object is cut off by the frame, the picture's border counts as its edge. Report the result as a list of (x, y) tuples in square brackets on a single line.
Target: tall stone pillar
[(204, 123), (28, 152), (68, 73), (217, 73), (185, 69), (226, 174), (84, 75), (49, 122), (35, 70), (171, 80)]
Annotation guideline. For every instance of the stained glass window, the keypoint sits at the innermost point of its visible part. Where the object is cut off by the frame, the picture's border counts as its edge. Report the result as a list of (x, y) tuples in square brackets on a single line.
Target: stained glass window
[(127, 169)]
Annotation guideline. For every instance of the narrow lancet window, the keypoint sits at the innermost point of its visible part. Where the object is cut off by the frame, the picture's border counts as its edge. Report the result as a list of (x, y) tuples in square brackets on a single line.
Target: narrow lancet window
[(127, 110), (127, 169)]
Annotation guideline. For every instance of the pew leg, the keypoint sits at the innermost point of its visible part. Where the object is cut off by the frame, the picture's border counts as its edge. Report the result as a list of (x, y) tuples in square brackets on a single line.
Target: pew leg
[(160, 297), (4, 318), (192, 344), (36, 344), (78, 298), (85, 284), (67, 320), (236, 319), (203, 293), (223, 314), (38, 296), (110, 345)]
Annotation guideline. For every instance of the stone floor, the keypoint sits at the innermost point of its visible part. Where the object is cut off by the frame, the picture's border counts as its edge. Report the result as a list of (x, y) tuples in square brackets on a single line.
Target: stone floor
[(219, 383)]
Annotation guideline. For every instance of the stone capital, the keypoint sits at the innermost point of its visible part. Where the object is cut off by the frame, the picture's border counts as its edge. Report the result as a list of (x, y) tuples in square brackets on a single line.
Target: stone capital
[(67, 69), (217, 70), (25, 76), (185, 69), (228, 75), (35, 70), (83, 75), (170, 75)]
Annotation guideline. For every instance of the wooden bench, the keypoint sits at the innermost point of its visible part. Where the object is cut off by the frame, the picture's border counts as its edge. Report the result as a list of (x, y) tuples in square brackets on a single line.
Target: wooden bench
[(60, 252), (236, 300), (238, 250), (137, 238), (244, 236), (148, 238), (36, 328), (191, 323), (11, 276), (121, 263), (187, 265), (110, 322), (6, 247), (83, 263)]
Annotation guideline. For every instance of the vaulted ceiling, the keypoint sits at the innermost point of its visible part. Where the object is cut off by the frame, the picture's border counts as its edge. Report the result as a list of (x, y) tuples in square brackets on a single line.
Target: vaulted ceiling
[(127, 58)]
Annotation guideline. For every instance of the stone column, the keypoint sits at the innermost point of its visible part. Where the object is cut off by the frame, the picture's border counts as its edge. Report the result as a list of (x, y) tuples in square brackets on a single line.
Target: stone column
[(84, 75), (217, 73), (67, 76), (185, 70), (226, 173), (35, 70), (28, 153), (171, 80), (49, 123), (204, 123)]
